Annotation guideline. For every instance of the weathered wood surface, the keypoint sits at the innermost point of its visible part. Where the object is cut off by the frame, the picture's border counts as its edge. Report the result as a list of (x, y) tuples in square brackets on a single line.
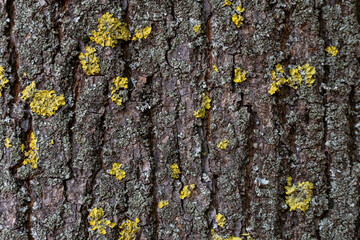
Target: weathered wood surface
[(310, 134)]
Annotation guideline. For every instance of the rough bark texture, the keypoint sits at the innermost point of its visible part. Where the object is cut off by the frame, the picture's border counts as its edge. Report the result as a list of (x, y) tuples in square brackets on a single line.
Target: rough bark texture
[(311, 134)]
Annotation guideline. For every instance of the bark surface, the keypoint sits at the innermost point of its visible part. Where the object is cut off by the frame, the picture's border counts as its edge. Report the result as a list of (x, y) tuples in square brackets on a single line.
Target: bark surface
[(310, 134)]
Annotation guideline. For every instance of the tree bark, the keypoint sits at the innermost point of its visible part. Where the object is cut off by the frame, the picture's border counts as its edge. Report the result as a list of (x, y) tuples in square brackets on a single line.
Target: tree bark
[(310, 134)]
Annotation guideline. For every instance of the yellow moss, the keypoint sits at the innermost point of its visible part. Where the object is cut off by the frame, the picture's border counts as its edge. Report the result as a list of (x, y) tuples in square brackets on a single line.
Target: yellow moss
[(89, 61), (175, 170), (196, 28), (215, 236), (119, 82), (8, 143), (227, 3), (185, 192), (110, 30), (32, 155), (240, 8), (3, 80), (237, 20), (240, 76), (141, 33), (163, 203), (29, 91), (46, 103), (332, 50), (129, 229), (220, 219), (298, 197), (98, 222), (205, 104), (116, 170), (223, 144), (215, 68)]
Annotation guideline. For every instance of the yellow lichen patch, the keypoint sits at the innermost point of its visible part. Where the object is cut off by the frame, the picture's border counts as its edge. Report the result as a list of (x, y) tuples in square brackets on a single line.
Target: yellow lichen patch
[(215, 68), (25, 75), (3, 80), (185, 192), (332, 50), (141, 33), (223, 144), (116, 170), (240, 76), (29, 91), (98, 222), (89, 61), (220, 219), (205, 104), (215, 236), (196, 28), (227, 3), (32, 155), (119, 82), (175, 170), (51, 142), (46, 103), (22, 147), (298, 197), (240, 8), (110, 30), (8, 143), (295, 79), (237, 20), (163, 203), (129, 229)]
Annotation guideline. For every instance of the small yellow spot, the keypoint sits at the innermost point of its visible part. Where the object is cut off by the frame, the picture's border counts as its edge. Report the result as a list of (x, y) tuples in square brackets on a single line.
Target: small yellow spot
[(29, 91), (25, 75), (185, 192), (8, 143), (298, 197), (215, 68), (227, 3), (237, 19), (240, 76), (32, 155), (142, 33), (129, 229), (89, 61), (110, 30), (240, 8), (175, 170), (196, 28), (332, 50), (223, 144), (119, 82), (98, 222), (163, 203), (22, 147), (46, 103), (52, 142), (220, 219), (116, 170), (205, 104), (3, 80)]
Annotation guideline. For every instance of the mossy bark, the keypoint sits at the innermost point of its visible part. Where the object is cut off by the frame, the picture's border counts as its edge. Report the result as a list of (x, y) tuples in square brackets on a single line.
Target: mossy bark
[(311, 134)]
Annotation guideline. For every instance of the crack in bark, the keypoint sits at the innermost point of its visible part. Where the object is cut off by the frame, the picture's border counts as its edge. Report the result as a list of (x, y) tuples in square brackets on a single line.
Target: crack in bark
[(14, 58)]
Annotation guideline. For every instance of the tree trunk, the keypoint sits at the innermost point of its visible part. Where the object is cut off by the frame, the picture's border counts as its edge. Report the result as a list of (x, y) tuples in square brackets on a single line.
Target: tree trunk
[(310, 134)]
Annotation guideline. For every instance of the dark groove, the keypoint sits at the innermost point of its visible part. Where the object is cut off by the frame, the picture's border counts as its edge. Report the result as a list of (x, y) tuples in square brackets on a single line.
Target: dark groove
[(14, 58), (248, 167)]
